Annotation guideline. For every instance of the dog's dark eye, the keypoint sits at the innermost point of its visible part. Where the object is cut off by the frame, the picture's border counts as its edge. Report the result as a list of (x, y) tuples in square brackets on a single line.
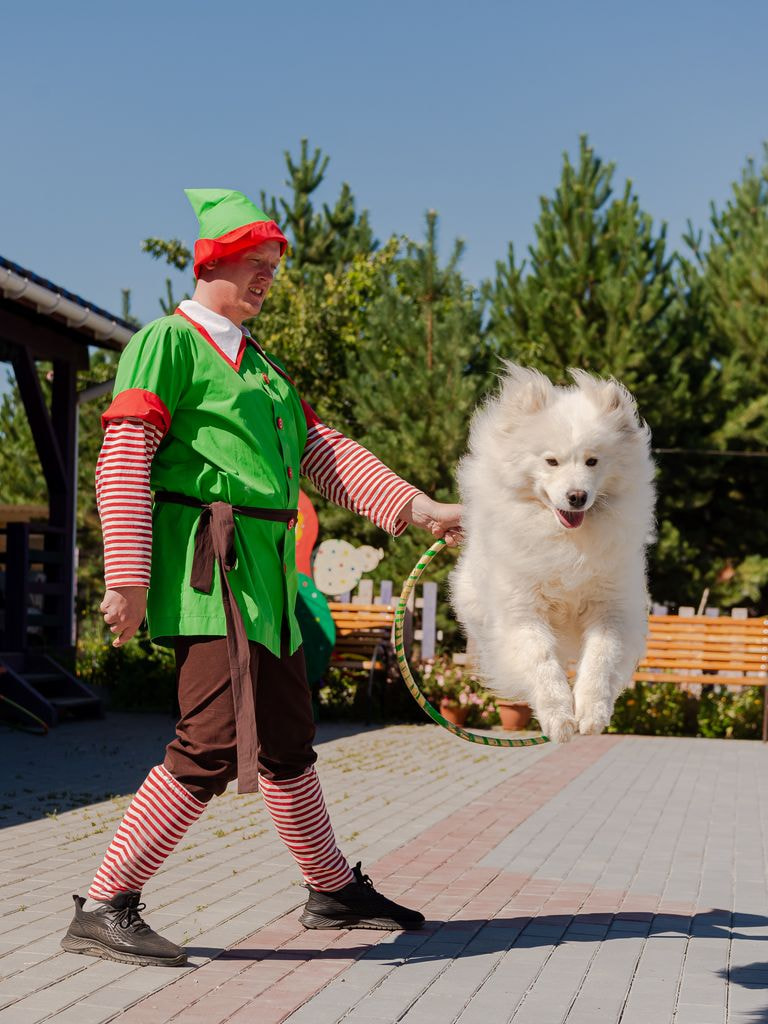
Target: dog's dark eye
[(591, 462), (551, 462)]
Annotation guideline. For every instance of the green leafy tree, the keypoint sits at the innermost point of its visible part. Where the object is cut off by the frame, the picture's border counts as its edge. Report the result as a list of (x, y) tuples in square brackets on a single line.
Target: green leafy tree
[(20, 469), (422, 367), (176, 254), (318, 330), (313, 318), (22, 475)]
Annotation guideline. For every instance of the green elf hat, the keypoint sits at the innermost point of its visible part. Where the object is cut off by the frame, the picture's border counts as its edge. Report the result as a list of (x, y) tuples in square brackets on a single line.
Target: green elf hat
[(229, 224)]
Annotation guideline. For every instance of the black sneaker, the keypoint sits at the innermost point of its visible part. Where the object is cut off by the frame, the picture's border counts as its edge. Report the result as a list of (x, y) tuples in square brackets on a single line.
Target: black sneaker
[(116, 931), (357, 905)]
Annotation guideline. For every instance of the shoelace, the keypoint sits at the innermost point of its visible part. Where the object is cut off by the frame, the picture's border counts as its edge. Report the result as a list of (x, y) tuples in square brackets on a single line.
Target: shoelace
[(131, 914), (357, 871)]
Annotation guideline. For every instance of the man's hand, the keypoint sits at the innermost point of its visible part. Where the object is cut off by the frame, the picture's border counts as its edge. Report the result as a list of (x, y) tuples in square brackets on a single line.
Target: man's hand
[(441, 519), (124, 609)]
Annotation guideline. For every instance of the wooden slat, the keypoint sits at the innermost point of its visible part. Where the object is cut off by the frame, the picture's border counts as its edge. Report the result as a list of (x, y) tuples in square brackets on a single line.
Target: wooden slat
[(702, 621), (715, 646), (699, 678), (701, 665)]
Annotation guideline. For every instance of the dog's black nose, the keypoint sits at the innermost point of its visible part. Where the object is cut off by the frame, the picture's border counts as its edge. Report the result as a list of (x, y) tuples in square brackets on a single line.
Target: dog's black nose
[(577, 499)]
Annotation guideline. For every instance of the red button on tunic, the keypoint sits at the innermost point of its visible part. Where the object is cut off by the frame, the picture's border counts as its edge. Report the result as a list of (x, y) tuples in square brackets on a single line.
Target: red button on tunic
[(279, 422)]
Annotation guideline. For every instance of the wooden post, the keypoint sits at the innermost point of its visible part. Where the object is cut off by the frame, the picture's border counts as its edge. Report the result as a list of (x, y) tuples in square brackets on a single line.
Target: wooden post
[(428, 620), (408, 624), (16, 586), (62, 504)]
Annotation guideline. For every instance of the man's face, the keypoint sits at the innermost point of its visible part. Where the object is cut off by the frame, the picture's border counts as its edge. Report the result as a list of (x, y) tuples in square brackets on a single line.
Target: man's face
[(244, 280)]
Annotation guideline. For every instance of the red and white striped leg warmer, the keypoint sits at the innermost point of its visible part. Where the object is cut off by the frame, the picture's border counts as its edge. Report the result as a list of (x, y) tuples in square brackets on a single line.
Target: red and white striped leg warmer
[(300, 816), (159, 815)]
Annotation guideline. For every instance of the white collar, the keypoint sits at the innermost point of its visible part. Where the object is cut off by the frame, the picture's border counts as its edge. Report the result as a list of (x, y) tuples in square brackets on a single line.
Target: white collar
[(226, 335)]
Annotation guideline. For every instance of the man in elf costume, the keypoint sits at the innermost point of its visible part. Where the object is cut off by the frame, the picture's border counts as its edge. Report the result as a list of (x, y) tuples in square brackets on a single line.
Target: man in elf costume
[(203, 417)]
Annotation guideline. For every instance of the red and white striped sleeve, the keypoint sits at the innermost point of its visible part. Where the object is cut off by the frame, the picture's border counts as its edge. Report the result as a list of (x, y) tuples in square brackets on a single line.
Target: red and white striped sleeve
[(124, 500), (350, 476)]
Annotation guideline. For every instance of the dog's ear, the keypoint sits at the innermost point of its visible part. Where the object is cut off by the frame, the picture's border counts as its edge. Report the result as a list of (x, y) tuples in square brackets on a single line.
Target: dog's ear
[(524, 390), (611, 397)]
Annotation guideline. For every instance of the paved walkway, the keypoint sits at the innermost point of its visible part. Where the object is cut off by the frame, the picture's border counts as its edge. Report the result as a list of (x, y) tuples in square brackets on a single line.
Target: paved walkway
[(618, 879)]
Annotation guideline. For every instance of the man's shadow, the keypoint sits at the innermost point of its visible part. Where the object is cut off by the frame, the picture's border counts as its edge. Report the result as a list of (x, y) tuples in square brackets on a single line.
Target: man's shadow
[(462, 939)]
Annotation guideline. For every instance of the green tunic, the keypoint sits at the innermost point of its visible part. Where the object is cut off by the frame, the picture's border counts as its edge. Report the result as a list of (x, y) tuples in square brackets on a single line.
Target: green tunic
[(236, 434)]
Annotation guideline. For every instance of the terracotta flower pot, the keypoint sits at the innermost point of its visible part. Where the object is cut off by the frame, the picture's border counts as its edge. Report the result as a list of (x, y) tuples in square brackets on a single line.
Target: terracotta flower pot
[(453, 711), (514, 715)]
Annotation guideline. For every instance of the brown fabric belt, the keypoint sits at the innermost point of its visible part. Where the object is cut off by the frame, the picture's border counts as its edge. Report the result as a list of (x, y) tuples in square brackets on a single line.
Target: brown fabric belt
[(215, 543)]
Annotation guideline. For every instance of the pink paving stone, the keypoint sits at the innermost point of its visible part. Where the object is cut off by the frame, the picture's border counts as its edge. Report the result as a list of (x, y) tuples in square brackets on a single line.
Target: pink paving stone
[(288, 993), (166, 1003)]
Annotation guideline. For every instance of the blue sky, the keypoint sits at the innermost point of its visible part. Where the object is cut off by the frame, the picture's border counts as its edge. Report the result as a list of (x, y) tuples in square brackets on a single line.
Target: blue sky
[(110, 110)]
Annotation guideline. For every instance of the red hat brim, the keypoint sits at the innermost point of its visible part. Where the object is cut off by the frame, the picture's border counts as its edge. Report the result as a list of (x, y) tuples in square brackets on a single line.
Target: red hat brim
[(249, 236)]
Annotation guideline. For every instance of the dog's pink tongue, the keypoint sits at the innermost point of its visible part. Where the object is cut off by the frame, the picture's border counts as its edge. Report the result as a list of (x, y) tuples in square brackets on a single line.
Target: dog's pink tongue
[(570, 519)]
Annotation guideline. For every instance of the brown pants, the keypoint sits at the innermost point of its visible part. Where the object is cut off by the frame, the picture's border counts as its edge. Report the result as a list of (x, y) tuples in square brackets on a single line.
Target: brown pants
[(203, 756)]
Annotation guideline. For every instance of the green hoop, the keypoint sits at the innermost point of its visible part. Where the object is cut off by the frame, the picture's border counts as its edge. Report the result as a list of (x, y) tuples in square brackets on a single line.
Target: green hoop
[(410, 682)]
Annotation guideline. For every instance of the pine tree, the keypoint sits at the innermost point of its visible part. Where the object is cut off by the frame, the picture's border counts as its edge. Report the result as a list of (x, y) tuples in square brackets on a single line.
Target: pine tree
[(734, 296), (326, 240), (602, 293), (728, 298), (599, 288)]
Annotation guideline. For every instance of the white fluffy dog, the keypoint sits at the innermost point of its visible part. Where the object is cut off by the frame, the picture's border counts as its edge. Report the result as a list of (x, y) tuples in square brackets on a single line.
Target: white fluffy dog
[(558, 494)]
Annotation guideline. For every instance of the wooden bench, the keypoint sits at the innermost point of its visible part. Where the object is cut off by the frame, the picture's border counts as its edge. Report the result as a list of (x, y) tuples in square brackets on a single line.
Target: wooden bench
[(364, 642), (703, 650)]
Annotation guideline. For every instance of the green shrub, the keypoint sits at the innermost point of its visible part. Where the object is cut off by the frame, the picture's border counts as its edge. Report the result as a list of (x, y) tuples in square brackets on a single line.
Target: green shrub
[(732, 714), (137, 677), (341, 696), (664, 709), (653, 709)]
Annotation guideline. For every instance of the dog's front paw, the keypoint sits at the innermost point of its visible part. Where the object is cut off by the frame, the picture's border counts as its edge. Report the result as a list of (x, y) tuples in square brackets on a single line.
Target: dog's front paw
[(558, 727), (593, 718)]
